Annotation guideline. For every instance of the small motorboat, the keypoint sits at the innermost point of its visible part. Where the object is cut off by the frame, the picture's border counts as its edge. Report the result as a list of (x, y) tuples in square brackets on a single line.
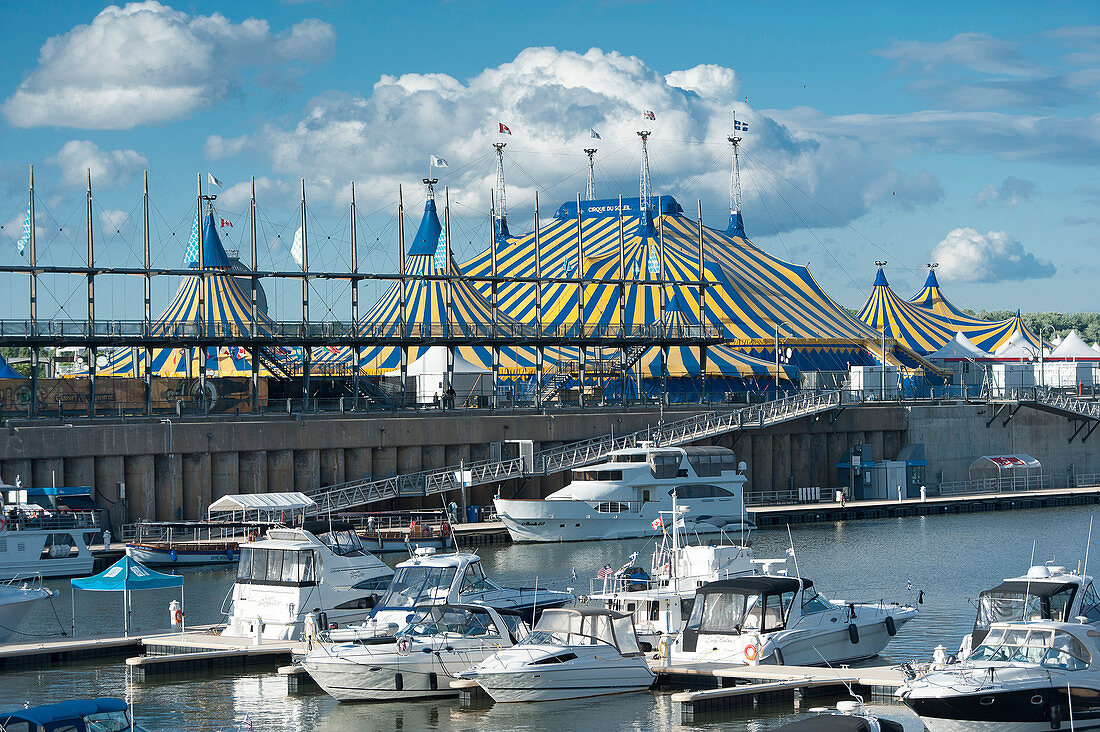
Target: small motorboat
[(455, 578), (1023, 677), (421, 661), (168, 543), (849, 716), (75, 715), (777, 619), (17, 598), (572, 653)]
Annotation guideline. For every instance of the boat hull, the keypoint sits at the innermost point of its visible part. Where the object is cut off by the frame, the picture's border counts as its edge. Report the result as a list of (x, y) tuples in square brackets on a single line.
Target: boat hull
[(14, 606), (155, 556), (998, 709), (616, 677), (354, 682)]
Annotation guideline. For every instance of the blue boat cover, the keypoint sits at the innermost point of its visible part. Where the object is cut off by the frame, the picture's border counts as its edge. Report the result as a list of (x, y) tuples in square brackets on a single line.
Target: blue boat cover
[(73, 709)]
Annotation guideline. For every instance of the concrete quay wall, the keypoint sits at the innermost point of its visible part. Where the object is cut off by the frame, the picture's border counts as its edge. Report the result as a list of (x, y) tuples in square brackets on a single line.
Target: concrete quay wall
[(173, 470)]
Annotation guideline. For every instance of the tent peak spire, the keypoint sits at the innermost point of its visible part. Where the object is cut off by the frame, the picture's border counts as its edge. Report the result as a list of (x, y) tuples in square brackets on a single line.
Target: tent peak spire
[(880, 278), (500, 222), (590, 183), (645, 188), (736, 225)]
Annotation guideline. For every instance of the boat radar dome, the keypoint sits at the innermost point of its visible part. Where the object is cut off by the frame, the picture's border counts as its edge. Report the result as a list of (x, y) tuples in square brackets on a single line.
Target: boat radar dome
[(1038, 572)]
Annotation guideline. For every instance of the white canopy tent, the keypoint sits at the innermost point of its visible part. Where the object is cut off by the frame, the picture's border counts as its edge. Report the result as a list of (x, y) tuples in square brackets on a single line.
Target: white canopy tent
[(1073, 347), (1008, 472), (959, 348), (264, 507), (1016, 346)]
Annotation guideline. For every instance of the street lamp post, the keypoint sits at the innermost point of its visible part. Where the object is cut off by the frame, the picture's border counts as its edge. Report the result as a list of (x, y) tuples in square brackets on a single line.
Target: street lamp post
[(777, 327), (1042, 369)]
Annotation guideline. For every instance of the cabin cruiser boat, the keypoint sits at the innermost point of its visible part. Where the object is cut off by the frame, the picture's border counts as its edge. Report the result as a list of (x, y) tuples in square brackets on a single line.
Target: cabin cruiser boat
[(1045, 593), (191, 543), (849, 716), (421, 661), (75, 715), (46, 542), (572, 653), (776, 619), (1022, 677), (661, 599), (455, 578), (17, 597), (293, 571), (621, 496)]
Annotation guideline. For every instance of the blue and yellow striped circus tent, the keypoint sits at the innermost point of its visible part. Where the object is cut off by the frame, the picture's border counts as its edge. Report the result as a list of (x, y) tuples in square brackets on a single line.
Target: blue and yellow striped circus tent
[(985, 334)]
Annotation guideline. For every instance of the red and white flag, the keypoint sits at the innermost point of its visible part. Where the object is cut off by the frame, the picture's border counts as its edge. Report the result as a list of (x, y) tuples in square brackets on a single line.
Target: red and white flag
[(504, 129), (657, 523), (226, 223), (649, 114)]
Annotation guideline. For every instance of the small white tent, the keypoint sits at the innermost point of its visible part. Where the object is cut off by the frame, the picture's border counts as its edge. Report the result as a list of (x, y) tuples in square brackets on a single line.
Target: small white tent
[(1016, 346), (958, 348), (1073, 347)]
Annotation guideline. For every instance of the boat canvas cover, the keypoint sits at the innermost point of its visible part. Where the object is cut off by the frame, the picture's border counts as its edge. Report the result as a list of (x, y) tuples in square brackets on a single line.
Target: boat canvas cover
[(755, 585), (261, 502), (1034, 588), (839, 723), (62, 711), (127, 574), (615, 629)]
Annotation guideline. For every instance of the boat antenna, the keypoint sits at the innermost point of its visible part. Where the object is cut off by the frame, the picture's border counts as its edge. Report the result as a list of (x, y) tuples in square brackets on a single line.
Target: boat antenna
[(1088, 544), (1027, 587), (791, 551), (1069, 705), (446, 519)]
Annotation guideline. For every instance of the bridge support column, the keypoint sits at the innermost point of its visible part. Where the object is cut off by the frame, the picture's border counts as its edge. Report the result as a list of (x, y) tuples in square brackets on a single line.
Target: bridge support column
[(168, 479), (252, 472), (580, 378), (358, 464), (538, 377)]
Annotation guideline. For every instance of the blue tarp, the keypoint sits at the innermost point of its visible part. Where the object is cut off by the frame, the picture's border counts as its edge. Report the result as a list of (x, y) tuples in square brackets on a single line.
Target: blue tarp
[(127, 574)]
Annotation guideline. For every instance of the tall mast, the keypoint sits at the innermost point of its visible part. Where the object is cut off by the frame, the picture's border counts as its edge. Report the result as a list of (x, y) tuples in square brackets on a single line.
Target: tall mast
[(645, 190), (590, 185), (501, 202), (736, 225)]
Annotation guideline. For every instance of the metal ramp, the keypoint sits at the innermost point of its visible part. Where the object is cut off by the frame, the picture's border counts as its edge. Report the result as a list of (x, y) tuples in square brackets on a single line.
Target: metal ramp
[(1084, 414), (345, 496)]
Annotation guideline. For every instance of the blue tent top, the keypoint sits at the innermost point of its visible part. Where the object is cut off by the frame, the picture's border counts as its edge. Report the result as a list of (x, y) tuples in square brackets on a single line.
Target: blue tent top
[(127, 574), (427, 236), (213, 253), (931, 281), (73, 709), (880, 279), (736, 225), (7, 372)]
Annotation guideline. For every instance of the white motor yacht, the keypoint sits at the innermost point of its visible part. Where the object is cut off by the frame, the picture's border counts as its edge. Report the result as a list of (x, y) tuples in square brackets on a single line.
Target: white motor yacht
[(661, 599), (423, 658), (777, 619), (291, 572), (625, 492), (17, 598), (46, 542), (1046, 592), (572, 653), (455, 578), (1023, 677)]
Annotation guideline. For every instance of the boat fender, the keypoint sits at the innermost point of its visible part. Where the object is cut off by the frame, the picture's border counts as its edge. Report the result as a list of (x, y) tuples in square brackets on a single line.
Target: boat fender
[(403, 647), (662, 649), (398, 682), (1055, 717), (920, 597), (891, 628), (853, 634), (229, 554), (778, 657), (172, 555), (751, 652)]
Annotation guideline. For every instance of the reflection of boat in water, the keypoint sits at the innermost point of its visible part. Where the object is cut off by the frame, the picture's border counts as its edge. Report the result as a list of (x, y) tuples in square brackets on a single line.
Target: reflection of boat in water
[(183, 542), (292, 571), (455, 578), (75, 715), (421, 660), (17, 598), (778, 619), (1022, 677), (621, 496), (571, 654)]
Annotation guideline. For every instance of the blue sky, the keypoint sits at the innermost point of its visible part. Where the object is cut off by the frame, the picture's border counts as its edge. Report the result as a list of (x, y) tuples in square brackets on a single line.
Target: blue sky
[(966, 133)]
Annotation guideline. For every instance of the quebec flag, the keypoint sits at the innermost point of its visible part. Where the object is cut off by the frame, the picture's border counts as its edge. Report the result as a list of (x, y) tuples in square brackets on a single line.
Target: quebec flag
[(25, 239)]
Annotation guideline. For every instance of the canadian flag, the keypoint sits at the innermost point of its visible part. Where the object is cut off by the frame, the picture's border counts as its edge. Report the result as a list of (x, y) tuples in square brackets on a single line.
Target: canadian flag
[(657, 523), (649, 114), (504, 129), (226, 223)]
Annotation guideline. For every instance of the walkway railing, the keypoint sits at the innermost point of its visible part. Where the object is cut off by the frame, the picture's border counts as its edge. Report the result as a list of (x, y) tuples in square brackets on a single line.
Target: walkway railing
[(547, 462)]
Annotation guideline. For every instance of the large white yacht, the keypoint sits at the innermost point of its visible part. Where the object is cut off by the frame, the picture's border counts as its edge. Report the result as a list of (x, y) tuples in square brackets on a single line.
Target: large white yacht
[(292, 572), (622, 496), (46, 542)]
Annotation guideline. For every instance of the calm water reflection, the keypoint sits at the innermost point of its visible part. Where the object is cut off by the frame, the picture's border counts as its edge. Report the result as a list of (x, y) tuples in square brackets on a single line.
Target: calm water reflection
[(950, 557)]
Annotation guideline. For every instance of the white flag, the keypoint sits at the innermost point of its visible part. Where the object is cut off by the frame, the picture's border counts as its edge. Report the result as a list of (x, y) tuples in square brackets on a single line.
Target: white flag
[(213, 181), (438, 162), (595, 135)]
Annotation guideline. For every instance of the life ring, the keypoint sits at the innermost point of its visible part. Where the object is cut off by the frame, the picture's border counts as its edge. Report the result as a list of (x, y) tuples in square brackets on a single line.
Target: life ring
[(3, 523), (751, 652), (178, 615), (444, 528), (252, 536), (403, 646)]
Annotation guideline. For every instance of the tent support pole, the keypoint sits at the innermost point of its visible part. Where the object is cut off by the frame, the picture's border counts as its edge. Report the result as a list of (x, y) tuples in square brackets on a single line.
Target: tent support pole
[(580, 302), (91, 301), (623, 371), (355, 304), (702, 310), (33, 296), (404, 325), (255, 287), (202, 350), (148, 299), (539, 352), (493, 294), (306, 350)]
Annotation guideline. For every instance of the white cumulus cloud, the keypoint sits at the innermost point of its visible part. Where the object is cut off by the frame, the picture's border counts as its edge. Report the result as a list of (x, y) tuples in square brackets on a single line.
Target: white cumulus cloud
[(968, 255), (109, 167), (1011, 192), (148, 63), (113, 219)]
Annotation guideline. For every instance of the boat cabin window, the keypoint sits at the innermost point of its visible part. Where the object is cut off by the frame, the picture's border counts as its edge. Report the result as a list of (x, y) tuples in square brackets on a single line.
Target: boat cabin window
[(474, 580), (814, 603), (452, 622), (107, 722), (701, 490), (1090, 604), (286, 567), (628, 457), (343, 543), (664, 465), (730, 613), (597, 475), (613, 506), (569, 629), (1053, 649), (375, 583), (1009, 603), (711, 465), (415, 584)]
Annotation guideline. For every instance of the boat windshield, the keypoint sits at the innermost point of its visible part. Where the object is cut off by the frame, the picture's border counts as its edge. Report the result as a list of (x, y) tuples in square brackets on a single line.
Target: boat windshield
[(475, 581), (731, 613), (416, 584), (107, 722), (1052, 649), (451, 622), (344, 543), (285, 567), (1007, 604), (564, 628)]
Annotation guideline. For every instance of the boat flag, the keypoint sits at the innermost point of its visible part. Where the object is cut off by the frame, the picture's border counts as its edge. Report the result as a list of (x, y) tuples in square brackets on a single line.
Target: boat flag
[(605, 571), (595, 135), (657, 523), (649, 114), (226, 223), (790, 551), (740, 126), (437, 162), (633, 556), (573, 573), (25, 239), (909, 584), (213, 181), (504, 129)]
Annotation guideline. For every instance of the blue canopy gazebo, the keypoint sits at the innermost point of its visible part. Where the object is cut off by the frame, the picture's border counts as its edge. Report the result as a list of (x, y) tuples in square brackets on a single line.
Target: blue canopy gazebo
[(125, 576)]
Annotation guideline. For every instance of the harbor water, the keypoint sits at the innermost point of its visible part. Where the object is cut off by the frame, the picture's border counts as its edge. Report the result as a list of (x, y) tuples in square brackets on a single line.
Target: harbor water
[(950, 557)]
